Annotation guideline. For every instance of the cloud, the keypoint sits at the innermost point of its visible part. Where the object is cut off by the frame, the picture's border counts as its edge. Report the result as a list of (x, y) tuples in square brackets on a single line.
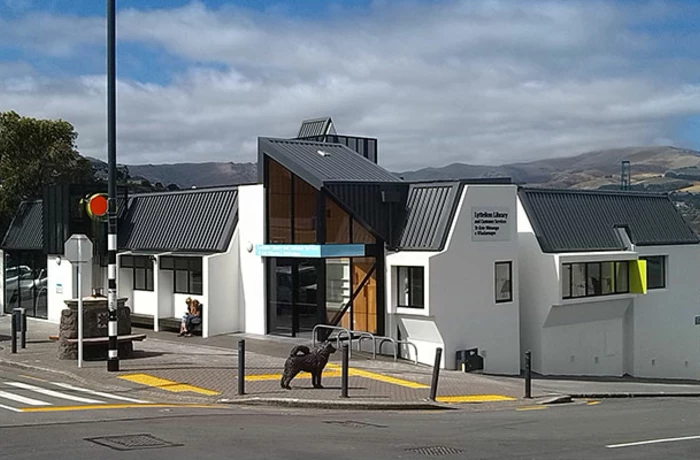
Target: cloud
[(473, 81)]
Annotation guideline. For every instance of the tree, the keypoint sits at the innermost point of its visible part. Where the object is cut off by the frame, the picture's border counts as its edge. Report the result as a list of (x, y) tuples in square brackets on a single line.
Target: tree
[(35, 153)]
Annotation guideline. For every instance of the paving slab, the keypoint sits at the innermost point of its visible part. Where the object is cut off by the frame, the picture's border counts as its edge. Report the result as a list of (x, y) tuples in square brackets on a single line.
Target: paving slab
[(195, 369)]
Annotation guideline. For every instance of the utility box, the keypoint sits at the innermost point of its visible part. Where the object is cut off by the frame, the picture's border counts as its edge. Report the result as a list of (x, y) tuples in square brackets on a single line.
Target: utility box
[(469, 360)]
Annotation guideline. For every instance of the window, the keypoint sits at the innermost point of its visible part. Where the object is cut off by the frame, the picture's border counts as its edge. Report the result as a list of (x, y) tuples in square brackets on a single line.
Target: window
[(188, 273), (504, 286), (656, 272), (142, 269), (593, 279), (410, 287)]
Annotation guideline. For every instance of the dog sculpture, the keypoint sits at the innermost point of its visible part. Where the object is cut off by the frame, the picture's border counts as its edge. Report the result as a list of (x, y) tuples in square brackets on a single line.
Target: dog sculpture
[(301, 358)]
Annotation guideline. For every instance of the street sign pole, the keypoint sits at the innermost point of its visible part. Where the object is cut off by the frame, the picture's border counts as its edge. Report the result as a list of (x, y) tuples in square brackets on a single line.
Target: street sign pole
[(78, 250), (80, 306)]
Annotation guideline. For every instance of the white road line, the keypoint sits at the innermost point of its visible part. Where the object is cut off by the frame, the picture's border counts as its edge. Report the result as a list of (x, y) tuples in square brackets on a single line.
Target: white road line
[(98, 393), (13, 409), (55, 394), (652, 441), (22, 399)]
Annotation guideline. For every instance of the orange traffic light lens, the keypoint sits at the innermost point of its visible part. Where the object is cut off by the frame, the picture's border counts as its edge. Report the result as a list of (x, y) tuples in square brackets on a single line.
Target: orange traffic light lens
[(98, 205)]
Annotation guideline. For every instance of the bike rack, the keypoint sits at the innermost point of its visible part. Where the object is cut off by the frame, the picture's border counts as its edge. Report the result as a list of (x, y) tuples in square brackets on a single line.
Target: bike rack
[(337, 338), (415, 348), (362, 335)]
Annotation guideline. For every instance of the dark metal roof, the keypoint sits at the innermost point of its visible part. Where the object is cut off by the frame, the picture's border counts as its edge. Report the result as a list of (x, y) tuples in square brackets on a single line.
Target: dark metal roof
[(26, 231), (186, 221), (430, 209), (320, 163), (578, 221), (315, 127)]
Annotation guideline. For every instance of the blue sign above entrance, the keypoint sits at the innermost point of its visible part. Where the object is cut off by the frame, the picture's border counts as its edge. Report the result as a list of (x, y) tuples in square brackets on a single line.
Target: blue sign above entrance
[(321, 251)]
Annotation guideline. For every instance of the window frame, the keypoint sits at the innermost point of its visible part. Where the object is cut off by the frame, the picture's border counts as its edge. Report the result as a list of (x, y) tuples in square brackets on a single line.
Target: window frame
[(664, 281), (409, 286), (509, 263), (587, 288), (141, 280), (190, 266)]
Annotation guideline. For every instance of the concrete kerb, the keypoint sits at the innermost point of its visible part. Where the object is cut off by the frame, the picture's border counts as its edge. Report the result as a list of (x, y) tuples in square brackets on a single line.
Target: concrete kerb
[(634, 395), (330, 404), (15, 364)]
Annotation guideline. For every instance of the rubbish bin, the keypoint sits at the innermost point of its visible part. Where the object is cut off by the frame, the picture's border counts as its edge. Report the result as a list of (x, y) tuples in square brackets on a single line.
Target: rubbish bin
[(469, 360)]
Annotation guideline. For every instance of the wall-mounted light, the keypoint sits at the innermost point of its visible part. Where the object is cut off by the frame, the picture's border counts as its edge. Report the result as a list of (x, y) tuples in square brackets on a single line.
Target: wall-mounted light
[(58, 260), (249, 247)]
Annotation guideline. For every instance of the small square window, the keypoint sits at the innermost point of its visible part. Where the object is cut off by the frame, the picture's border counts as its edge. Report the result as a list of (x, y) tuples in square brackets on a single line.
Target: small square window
[(656, 272), (410, 286), (504, 285)]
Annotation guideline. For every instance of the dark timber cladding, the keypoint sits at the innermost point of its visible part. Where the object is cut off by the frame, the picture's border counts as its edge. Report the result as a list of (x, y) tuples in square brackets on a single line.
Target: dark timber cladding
[(192, 220), (26, 232), (371, 193), (578, 221), (430, 208)]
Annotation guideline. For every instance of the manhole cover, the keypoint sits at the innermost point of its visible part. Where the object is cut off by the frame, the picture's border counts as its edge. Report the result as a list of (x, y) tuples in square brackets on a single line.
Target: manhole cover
[(132, 442), (434, 451), (354, 424)]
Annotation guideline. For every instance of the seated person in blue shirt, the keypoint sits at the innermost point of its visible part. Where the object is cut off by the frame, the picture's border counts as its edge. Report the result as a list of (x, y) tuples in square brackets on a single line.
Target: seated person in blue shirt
[(192, 317)]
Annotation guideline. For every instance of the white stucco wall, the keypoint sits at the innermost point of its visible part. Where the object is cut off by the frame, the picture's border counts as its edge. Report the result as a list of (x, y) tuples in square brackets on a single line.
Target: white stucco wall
[(416, 325), (462, 285), (251, 228), (222, 314), (143, 302), (666, 340), (461, 310), (61, 283)]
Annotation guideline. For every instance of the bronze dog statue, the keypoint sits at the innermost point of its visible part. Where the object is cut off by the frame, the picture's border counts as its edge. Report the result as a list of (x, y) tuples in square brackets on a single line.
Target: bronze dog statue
[(301, 358)]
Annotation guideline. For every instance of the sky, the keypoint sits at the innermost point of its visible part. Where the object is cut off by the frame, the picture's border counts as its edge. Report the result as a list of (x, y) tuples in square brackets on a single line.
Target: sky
[(436, 81)]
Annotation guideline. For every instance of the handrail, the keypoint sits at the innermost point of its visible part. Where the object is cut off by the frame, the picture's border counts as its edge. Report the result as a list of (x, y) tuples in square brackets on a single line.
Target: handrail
[(337, 339)]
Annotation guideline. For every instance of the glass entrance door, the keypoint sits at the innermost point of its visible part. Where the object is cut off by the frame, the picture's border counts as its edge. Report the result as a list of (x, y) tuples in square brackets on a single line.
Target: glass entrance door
[(294, 303)]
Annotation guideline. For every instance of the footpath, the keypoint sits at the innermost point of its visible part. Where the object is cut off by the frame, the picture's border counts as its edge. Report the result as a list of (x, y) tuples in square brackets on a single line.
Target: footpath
[(197, 370)]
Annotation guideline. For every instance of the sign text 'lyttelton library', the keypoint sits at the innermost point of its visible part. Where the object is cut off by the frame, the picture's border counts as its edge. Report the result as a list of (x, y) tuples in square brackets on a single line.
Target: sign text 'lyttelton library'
[(490, 224)]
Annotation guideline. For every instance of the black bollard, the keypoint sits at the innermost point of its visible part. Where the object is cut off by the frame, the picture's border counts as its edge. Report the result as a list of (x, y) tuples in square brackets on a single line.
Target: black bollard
[(23, 325), (241, 367), (436, 374), (344, 376), (14, 331), (528, 374)]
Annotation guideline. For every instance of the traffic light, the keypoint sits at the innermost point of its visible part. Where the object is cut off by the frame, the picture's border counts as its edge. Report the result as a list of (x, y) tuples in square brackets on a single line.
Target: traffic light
[(96, 206)]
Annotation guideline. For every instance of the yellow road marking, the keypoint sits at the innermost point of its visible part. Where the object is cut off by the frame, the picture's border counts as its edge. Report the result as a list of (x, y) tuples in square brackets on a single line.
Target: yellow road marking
[(381, 377), (110, 406), (531, 408), (592, 403), (302, 375), (167, 385), (474, 398)]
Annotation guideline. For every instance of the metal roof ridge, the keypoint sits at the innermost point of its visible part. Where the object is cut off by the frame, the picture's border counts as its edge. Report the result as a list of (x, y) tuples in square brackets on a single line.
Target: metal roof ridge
[(214, 188), (637, 193)]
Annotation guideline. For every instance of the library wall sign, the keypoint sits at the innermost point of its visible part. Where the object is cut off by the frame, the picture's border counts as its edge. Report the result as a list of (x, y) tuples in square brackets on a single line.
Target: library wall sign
[(491, 224)]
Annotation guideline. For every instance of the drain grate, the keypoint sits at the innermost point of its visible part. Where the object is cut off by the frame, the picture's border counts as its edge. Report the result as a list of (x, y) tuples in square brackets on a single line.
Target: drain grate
[(132, 442), (354, 424), (434, 451)]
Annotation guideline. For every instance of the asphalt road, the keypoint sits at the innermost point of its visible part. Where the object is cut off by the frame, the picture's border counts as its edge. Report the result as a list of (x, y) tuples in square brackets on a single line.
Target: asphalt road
[(579, 431)]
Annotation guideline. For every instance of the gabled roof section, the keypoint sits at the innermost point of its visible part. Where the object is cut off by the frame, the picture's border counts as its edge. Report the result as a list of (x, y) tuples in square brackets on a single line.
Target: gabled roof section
[(186, 221), (320, 163), (582, 221), (316, 127), (26, 231), (430, 209)]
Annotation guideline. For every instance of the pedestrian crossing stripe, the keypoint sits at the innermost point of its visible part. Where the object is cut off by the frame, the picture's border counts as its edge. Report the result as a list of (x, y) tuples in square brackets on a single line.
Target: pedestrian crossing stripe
[(37, 403)]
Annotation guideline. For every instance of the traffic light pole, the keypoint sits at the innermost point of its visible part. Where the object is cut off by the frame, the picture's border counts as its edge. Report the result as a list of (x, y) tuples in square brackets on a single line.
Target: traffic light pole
[(113, 354)]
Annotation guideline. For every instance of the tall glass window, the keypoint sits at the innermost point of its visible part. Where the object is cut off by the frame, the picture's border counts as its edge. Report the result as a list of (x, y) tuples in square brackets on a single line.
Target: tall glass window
[(304, 212), (279, 203)]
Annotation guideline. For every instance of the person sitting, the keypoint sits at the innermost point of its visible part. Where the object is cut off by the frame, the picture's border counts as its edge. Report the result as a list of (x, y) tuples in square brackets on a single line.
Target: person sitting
[(192, 318)]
